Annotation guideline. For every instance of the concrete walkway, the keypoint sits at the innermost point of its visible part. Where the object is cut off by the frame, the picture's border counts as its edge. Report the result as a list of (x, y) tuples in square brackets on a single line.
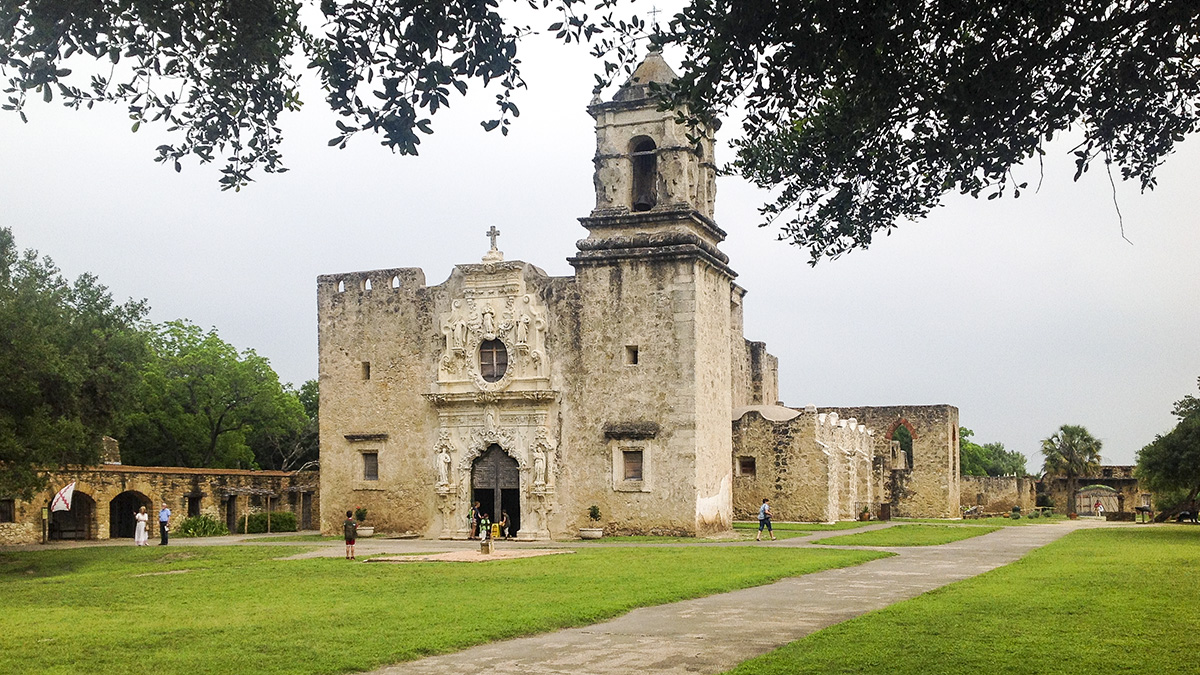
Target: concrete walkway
[(714, 634)]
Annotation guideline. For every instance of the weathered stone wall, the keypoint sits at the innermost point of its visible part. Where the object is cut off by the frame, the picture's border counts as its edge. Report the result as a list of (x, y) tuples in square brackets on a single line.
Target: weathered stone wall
[(932, 488), (98, 487), (998, 493), (764, 374), (791, 468), (388, 326), (1118, 477)]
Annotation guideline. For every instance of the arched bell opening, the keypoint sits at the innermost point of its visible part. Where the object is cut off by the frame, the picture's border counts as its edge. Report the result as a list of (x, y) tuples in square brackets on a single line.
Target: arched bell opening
[(644, 156)]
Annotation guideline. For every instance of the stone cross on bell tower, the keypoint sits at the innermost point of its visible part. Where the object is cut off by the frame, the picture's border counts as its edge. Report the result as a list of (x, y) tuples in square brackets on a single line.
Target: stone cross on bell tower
[(494, 254)]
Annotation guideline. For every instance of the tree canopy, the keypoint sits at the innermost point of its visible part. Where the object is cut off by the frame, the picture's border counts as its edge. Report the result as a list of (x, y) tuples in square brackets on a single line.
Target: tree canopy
[(990, 459), (204, 404), (860, 114), (69, 366), (1170, 465)]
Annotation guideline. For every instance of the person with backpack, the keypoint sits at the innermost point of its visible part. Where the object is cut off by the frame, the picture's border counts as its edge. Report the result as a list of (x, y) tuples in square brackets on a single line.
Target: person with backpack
[(350, 530)]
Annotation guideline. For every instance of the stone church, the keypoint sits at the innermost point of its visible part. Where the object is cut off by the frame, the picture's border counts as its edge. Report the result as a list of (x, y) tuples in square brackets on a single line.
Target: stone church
[(542, 396)]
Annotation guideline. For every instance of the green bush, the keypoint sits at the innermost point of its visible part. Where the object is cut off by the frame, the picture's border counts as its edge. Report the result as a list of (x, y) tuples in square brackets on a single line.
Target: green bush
[(201, 526), (1035, 514), (1044, 500), (281, 521)]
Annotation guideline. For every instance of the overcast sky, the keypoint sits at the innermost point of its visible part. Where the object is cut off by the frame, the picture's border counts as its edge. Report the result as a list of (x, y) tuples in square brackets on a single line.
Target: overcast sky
[(1026, 314)]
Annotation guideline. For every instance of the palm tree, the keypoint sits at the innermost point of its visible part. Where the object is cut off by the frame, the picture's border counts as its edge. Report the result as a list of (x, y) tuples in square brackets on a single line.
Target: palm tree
[(1071, 452)]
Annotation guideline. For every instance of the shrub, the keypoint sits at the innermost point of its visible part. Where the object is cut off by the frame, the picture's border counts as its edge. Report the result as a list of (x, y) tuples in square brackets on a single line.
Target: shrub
[(360, 514), (1044, 500), (201, 526), (1034, 514), (281, 521)]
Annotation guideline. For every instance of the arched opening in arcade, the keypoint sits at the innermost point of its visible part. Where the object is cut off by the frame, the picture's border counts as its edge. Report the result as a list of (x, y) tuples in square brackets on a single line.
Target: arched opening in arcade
[(496, 485), (122, 511), (78, 522)]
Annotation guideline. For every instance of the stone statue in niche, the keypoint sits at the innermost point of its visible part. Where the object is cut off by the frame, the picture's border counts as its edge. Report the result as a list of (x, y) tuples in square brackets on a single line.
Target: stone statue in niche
[(488, 320), (523, 330), (539, 466), (459, 334)]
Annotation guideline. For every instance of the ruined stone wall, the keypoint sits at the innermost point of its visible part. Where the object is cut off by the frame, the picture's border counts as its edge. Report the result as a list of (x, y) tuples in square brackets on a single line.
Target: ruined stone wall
[(931, 489), (1118, 477), (739, 351), (151, 486), (792, 469), (998, 493), (764, 374)]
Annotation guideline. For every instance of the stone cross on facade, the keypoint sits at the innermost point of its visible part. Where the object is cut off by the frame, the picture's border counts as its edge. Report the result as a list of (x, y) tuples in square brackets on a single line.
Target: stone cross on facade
[(493, 254)]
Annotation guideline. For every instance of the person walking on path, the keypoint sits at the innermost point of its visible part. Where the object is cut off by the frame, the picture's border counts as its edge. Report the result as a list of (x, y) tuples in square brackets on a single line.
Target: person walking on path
[(350, 532), (764, 520), (139, 532), (164, 515)]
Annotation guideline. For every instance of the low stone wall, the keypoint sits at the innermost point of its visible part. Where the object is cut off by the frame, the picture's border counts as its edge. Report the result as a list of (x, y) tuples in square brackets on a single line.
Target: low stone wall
[(998, 493), (106, 498)]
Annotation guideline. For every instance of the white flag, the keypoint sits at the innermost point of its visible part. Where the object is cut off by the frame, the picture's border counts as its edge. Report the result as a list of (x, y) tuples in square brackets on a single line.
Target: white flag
[(62, 500)]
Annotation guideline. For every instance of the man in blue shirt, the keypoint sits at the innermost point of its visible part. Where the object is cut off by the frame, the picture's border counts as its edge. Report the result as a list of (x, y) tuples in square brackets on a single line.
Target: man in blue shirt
[(163, 516)]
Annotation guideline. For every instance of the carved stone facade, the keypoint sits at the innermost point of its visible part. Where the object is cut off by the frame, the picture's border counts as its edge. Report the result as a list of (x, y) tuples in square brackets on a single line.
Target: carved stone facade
[(541, 396)]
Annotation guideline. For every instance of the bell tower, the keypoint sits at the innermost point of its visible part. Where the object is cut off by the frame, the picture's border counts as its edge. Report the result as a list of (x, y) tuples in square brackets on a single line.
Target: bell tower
[(656, 298), (650, 177)]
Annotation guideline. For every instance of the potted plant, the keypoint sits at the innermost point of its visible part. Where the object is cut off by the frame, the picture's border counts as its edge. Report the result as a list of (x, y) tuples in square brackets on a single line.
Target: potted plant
[(865, 514), (595, 531), (360, 514)]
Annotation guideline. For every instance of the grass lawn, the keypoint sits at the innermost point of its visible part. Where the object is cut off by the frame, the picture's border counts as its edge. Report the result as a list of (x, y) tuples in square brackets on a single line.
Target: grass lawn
[(235, 609), (908, 535), (1122, 600)]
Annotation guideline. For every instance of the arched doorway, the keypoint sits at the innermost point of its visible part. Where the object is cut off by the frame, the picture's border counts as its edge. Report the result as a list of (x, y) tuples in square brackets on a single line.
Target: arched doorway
[(121, 512), (77, 523), (496, 485)]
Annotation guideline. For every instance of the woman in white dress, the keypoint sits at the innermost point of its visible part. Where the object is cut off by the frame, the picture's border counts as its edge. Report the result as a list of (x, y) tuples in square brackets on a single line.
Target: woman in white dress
[(139, 533)]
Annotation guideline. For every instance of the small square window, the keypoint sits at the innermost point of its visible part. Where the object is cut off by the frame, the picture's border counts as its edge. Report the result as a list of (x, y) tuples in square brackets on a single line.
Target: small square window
[(631, 355), (746, 466), (8, 511), (366, 370), (370, 465), (633, 464)]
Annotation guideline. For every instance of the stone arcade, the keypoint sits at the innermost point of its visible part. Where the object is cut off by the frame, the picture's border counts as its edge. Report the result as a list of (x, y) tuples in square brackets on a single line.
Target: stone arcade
[(541, 396)]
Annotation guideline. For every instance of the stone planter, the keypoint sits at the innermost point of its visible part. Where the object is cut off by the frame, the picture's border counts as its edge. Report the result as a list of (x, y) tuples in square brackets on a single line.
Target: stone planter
[(366, 531), (591, 532)]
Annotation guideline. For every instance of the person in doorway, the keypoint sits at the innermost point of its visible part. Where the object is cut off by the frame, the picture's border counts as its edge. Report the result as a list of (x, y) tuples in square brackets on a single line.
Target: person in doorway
[(764, 520), (485, 527), (164, 515), (1099, 508), (474, 516), (504, 523), (139, 532), (350, 533)]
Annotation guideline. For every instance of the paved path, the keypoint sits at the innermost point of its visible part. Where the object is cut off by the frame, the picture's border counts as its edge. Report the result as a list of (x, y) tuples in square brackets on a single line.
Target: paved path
[(714, 634)]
